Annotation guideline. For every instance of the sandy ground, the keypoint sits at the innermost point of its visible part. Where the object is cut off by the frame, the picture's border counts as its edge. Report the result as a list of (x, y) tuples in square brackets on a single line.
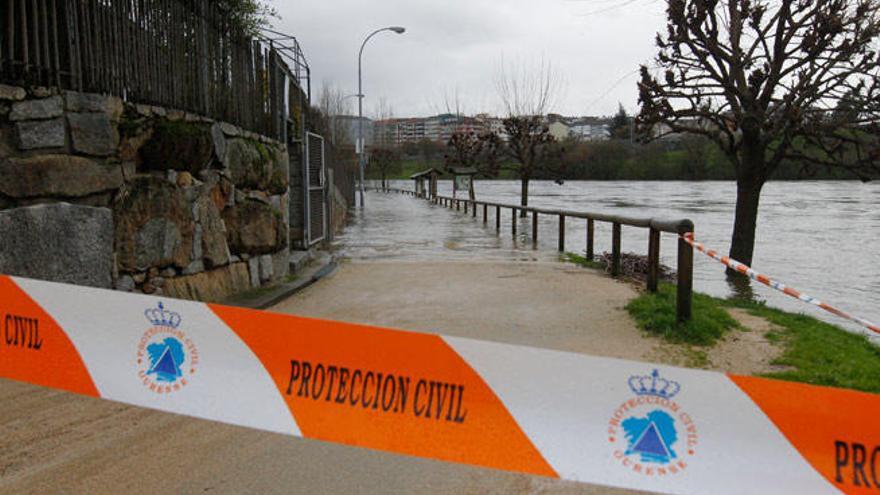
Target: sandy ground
[(53, 442), (550, 305)]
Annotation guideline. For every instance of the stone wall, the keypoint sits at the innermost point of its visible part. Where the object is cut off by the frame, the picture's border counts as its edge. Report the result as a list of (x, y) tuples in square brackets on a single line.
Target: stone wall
[(100, 192)]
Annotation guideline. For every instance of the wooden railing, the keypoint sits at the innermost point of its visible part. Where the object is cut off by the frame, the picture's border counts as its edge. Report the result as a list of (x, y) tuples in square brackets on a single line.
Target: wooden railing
[(654, 226)]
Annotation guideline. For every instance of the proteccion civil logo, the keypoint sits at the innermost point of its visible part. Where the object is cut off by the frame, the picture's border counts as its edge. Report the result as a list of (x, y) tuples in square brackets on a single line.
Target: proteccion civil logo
[(650, 433), (166, 357)]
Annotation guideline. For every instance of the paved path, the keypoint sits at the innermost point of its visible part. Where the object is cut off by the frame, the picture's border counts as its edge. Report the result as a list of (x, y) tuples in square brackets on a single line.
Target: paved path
[(408, 266)]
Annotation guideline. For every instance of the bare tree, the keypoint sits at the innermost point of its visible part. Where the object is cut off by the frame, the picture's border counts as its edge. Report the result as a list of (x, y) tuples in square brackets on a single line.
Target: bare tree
[(384, 132), (768, 81), (448, 102), (383, 109), (527, 92), (473, 150), (527, 89), (335, 105)]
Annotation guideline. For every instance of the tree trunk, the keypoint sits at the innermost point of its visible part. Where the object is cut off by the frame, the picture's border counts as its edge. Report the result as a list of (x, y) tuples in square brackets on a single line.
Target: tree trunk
[(524, 196), (384, 185), (748, 195)]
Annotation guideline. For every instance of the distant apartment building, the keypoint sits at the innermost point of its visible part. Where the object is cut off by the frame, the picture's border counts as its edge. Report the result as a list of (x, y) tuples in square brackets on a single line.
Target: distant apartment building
[(591, 130), (559, 130), (663, 131), (439, 128)]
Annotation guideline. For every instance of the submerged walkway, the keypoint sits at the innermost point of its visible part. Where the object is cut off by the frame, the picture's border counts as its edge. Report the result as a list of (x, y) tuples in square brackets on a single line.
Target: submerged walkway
[(412, 265)]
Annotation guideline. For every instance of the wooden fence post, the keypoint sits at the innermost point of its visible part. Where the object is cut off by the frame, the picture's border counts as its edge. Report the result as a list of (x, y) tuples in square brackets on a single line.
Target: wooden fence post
[(498, 218), (561, 233), (615, 250), (590, 232), (535, 228), (653, 259), (485, 213), (685, 287), (513, 221)]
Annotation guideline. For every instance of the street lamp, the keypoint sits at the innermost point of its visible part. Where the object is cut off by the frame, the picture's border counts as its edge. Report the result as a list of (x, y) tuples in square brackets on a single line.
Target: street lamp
[(361, 145)]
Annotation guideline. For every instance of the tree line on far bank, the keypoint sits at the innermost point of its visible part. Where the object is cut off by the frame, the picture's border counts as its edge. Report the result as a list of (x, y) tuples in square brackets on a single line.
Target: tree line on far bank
[(689, 158)]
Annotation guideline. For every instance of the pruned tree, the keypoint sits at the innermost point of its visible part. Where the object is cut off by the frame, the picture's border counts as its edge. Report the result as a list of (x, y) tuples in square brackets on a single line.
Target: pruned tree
[(384, 162), (529, 151), (768, 81), (528, 92), (473, 150)]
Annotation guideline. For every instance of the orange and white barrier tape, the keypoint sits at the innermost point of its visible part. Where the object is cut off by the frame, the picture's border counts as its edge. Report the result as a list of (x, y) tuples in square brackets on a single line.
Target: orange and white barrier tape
[(746, 270), (541, 412)]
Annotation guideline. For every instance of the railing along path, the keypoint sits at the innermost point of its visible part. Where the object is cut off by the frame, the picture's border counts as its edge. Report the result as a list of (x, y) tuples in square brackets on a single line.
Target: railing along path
[(684, 268)]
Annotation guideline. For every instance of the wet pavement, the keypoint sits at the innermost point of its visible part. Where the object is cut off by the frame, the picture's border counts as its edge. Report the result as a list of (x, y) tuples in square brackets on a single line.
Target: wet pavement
[(397, 227)]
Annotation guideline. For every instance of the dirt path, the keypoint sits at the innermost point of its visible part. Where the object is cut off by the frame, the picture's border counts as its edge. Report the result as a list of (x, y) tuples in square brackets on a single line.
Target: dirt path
[(551, 305)]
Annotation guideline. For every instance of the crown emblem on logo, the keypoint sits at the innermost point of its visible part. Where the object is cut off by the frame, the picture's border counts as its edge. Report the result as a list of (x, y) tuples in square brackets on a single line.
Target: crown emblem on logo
[(160, 317), (654, 385)]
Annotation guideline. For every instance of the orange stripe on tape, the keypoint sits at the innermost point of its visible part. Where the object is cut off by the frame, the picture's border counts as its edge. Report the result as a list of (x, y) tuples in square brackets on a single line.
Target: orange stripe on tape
[(34, 348), (791, 292), (384, 389), (835, 430)]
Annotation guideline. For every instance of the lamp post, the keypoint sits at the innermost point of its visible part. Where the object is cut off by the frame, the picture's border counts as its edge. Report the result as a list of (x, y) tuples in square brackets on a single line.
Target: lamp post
[(361, 145)]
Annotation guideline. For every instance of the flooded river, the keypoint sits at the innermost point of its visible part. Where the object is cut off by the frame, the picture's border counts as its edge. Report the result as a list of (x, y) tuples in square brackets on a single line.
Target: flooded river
[(819, 237)]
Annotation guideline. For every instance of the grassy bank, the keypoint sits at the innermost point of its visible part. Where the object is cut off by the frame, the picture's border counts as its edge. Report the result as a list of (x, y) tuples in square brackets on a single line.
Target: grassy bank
[(812, 351)]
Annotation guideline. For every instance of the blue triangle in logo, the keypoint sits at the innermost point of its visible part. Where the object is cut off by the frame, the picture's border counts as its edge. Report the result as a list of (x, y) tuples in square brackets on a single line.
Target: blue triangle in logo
[(166, 364), (650, 443)]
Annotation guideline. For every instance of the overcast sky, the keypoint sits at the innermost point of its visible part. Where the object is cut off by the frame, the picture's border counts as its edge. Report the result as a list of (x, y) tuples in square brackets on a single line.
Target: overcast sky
[(456, 45)]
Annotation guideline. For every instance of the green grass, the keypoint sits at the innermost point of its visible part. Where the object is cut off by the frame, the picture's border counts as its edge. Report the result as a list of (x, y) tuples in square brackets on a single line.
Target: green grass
[(655, 313), (813, 351), (817, 352), (582, 260)]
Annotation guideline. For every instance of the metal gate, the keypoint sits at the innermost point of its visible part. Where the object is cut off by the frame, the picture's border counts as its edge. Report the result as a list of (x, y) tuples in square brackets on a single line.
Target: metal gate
[(316, 210)]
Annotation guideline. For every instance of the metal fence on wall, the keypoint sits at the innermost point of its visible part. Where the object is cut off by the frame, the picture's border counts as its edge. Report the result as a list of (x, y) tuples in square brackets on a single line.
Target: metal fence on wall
[(180, 54), (316, 211), (343, 162)]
